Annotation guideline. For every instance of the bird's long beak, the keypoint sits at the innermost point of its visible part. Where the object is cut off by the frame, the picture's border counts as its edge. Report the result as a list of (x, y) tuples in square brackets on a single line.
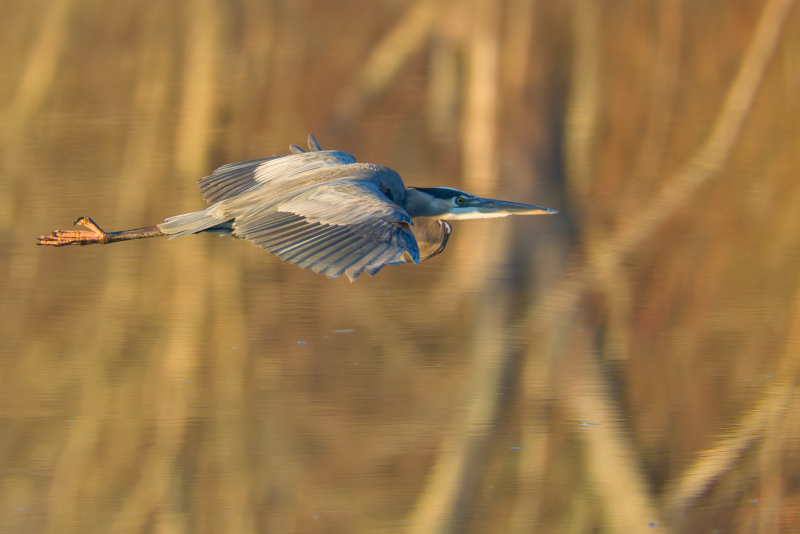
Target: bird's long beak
[(485, 208), (488, 205)]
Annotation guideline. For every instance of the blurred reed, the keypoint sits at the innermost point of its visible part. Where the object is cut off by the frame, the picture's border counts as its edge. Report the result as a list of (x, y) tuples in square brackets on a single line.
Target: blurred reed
[(665, 131)]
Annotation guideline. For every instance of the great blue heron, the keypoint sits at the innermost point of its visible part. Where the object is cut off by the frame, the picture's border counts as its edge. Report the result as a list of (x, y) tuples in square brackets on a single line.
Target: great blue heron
[(320, 210)]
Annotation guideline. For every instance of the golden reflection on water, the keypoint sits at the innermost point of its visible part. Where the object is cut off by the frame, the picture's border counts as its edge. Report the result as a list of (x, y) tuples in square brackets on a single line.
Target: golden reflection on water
[(629, 365)]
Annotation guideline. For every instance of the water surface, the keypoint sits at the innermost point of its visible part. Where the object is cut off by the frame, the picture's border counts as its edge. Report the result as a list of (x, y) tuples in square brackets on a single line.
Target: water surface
[(628, 365)]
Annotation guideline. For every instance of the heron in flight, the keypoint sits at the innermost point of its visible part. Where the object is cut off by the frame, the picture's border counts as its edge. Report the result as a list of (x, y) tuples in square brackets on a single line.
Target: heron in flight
[(320, 210)]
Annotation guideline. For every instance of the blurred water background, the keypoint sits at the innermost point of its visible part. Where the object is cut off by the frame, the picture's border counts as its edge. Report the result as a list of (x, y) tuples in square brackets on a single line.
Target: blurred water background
[(630, 365)]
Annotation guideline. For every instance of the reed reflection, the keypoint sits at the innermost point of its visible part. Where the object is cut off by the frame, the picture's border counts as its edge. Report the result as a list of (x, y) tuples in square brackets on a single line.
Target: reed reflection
[(628, 365)]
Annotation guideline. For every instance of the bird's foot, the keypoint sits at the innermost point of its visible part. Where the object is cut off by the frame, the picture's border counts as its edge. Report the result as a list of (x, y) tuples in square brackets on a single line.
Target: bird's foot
[(60, 238)]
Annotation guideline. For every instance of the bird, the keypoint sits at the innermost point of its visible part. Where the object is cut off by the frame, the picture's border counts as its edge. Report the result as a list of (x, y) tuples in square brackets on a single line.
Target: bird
[(320, 210)]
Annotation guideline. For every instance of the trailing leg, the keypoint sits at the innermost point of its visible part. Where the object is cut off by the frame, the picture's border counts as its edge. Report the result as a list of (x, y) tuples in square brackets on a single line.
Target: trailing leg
[(95, 235)]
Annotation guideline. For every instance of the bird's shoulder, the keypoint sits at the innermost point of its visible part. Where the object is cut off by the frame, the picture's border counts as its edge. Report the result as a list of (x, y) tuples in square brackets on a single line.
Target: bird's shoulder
[(388, 181)]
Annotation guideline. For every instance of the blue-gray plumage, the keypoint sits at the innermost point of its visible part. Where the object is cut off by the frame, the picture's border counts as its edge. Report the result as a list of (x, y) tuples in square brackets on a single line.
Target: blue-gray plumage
[(320, 210)]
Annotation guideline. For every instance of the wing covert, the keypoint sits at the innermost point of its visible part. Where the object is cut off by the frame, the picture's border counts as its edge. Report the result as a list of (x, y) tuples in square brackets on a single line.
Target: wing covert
[(234, 179)]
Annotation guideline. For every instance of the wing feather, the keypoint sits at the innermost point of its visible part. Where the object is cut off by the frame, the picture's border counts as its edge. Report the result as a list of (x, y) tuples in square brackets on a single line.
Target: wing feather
[(336, 228), (323, 252), (313, 256), (314, 252), (234, 179), (344, 260), (377, 255)]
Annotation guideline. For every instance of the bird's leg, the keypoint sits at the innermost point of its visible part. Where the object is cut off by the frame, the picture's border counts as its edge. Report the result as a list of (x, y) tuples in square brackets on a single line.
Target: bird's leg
[(95, 235), (60, 238)]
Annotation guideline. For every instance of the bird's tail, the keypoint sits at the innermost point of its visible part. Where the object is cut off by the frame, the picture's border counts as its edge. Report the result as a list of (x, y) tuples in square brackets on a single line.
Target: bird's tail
[(193, 223)]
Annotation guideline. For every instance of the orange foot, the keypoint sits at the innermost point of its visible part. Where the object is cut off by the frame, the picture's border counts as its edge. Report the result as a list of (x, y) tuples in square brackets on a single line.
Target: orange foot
[(61, 238)]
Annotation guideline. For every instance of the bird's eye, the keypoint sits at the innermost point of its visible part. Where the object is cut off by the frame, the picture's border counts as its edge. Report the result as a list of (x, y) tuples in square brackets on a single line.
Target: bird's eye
[(460, 200)]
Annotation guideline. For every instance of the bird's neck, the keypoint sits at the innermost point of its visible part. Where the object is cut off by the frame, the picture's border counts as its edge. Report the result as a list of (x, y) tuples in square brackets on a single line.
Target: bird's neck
[(418, 204)]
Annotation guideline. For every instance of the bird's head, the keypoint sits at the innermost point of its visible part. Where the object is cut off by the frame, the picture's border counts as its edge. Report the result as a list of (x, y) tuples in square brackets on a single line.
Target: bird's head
[(451, 204)]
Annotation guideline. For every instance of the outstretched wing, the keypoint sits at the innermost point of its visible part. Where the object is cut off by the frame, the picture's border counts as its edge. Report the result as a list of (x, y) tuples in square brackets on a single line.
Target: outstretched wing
[(234, 179), (341, 227), (318, 209)]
